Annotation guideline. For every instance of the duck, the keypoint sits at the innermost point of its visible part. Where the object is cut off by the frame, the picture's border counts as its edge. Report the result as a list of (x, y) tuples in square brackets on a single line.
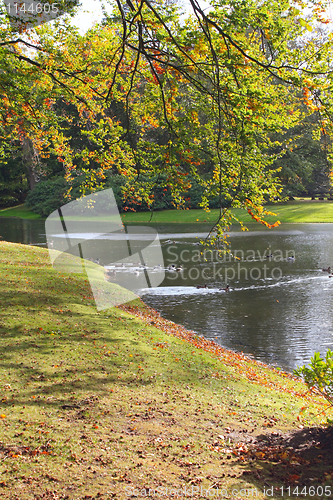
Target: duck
[(202, 286), (226, 289), (172, 267), (327, 270), (291, 258), (180, 268), (111, 272)]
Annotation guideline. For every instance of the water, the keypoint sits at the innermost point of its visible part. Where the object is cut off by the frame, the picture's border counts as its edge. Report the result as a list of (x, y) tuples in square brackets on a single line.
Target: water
[(28, 232), (278, 310)]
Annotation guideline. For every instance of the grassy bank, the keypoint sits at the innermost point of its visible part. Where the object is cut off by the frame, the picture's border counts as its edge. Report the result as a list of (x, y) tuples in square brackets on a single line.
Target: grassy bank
[(20, 211), (106, 405), (291, 212), (306, 211)]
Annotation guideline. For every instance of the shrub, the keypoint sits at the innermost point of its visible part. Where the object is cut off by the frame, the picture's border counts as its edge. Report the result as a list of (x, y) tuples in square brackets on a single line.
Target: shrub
[(162, 196), (318, 376), (47, 196)]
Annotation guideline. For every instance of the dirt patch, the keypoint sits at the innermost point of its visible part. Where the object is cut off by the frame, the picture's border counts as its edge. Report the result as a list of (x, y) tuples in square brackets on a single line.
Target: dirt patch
[(302, 457)]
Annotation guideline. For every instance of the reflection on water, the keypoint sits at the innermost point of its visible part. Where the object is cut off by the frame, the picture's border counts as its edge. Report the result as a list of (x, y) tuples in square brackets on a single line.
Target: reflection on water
[(278, 309), (28, 232)]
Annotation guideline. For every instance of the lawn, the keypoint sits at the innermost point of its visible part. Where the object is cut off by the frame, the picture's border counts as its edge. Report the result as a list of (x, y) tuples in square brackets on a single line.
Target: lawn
[(20, 211), (291, 212), (102, 405)]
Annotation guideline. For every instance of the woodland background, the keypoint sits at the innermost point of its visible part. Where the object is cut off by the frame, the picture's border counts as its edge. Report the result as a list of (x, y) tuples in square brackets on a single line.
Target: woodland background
[(229, 107)]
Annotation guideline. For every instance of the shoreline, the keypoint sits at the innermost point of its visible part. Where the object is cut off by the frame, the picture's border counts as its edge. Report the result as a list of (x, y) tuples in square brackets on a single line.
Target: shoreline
[(291, 212), (226, 356)]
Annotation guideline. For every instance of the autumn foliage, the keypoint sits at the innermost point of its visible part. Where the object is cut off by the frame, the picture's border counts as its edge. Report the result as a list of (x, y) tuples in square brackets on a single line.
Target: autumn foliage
[(149, 94)]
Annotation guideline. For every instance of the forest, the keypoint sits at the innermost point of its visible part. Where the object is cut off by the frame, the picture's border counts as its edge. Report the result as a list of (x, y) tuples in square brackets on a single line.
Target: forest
[(225, 109)]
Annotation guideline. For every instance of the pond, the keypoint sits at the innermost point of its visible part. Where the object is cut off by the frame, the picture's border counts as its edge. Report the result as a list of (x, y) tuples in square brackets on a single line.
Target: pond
[(28, 232), (279, 307)]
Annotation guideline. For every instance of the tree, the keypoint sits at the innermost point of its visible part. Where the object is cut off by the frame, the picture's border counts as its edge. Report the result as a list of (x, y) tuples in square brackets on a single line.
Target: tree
[(240, 68), (13, 182), (28, 86), (303, 167), (201, 94)]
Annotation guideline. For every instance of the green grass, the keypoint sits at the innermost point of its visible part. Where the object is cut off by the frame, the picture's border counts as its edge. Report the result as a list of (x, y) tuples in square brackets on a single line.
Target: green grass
[(291, 212), (20, 211), (96, 403)]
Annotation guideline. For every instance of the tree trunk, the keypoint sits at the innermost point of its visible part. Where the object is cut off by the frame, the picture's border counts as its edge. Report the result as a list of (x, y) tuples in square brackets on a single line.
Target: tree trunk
[(29, 161)]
